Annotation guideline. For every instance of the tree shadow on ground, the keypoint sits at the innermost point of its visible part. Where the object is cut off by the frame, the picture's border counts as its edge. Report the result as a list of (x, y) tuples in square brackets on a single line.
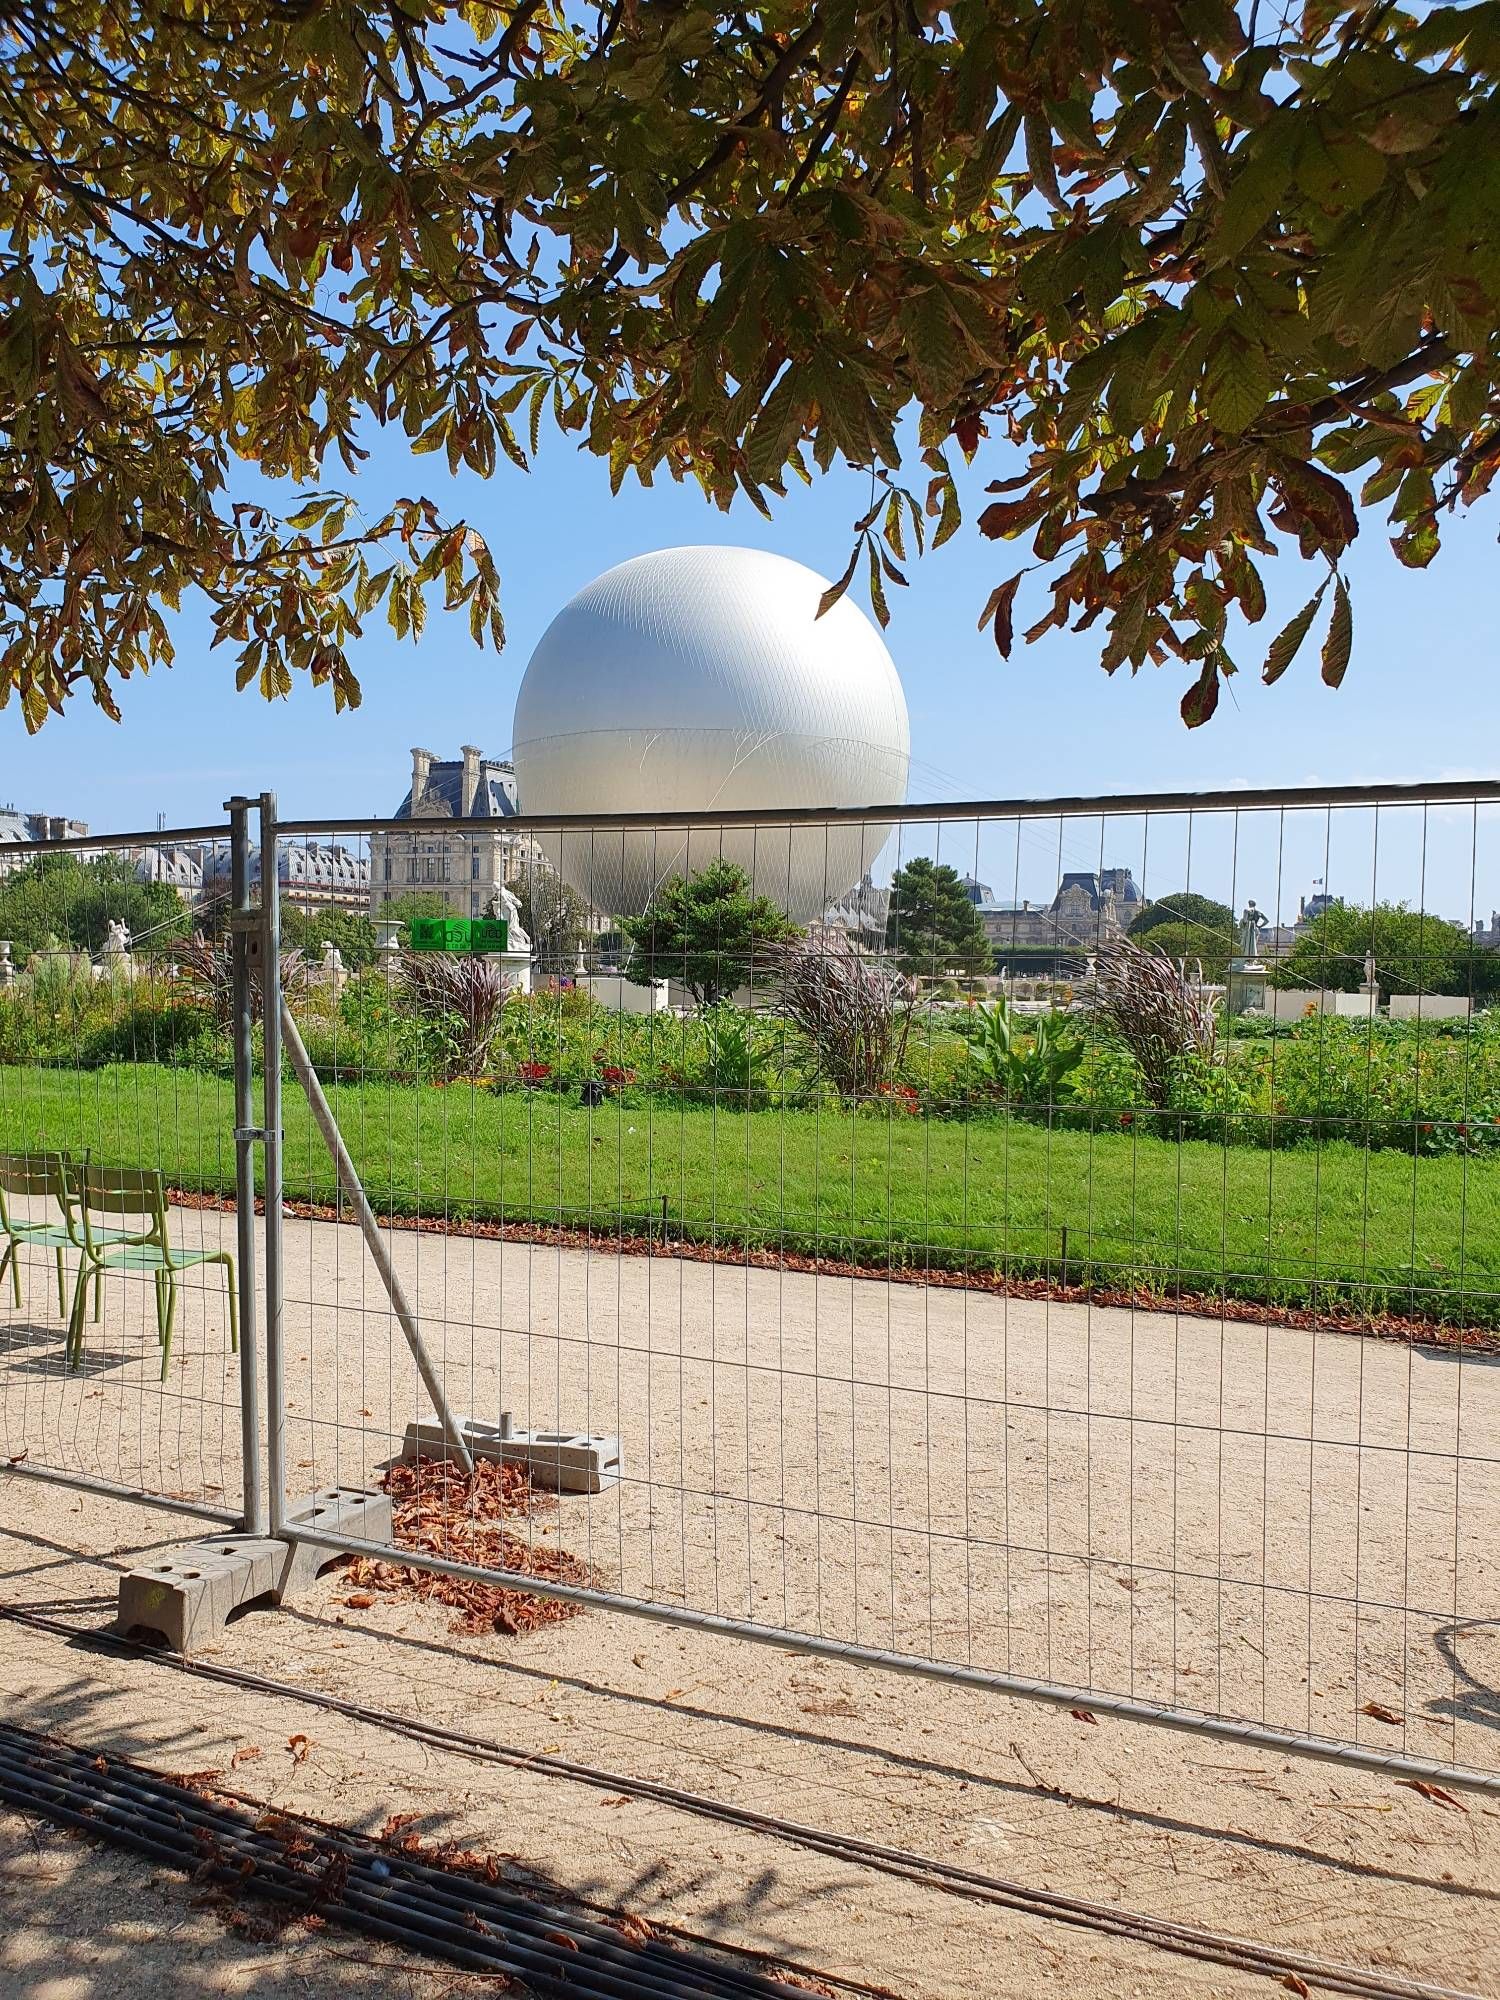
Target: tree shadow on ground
[(80, 1921)]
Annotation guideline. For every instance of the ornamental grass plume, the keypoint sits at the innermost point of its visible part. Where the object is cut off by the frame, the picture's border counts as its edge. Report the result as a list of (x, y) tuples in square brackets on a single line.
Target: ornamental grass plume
[(1161, 1014), (854, 1010), (461, 997)]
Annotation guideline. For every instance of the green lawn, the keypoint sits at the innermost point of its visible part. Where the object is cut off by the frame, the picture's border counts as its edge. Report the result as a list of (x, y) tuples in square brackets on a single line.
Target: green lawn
[(1316, 1226)]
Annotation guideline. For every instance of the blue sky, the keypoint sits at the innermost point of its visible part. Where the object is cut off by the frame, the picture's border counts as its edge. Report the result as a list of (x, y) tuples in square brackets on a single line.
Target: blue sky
[(1420, 699)]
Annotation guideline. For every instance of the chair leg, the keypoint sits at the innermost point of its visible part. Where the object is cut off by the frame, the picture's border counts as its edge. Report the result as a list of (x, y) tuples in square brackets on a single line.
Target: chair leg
[(62, 1286), (166, 1346), (159, 1285), (8, 1256), (99, 1294), (75, 1318), (234, 1307)]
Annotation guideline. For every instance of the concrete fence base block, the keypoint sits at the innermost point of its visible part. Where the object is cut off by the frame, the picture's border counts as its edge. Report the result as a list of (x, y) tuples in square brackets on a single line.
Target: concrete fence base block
[(561, 1461), (188, 1595)]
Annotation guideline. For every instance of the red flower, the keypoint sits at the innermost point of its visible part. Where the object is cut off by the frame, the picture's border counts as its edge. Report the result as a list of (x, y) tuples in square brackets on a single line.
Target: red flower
[(533, 1072), (902, 1094), (1127, 1117), (614, 1075)]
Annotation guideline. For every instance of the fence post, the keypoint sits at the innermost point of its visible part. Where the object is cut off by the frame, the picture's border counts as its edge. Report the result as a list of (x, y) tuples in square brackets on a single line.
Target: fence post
[(270, 1014), (242, 1015)]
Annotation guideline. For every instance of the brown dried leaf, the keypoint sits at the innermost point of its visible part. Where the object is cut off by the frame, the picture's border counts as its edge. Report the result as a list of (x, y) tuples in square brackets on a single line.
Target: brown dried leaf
[(1435, 1793), (1381, 1713), (300, 1746), (246, 1754)]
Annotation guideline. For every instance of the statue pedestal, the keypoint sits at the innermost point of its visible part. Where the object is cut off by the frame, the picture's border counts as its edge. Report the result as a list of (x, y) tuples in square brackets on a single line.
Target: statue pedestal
[(516, 965), (1247, 986)]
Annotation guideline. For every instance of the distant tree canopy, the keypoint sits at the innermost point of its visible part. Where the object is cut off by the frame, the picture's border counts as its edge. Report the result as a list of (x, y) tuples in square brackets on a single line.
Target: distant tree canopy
[(706, 930), (1185, 906), (57, 896), (556, 919), (1181, 273), (308, 931), (1190, 944), (932, 927), (1413, 952), (413, 903)]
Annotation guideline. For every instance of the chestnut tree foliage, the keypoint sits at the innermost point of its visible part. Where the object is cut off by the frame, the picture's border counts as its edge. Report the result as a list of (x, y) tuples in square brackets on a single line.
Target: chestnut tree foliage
[(1193, 283)]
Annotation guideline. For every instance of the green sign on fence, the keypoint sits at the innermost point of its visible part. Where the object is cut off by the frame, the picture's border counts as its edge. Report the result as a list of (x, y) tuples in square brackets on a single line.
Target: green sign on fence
[(460, 934)]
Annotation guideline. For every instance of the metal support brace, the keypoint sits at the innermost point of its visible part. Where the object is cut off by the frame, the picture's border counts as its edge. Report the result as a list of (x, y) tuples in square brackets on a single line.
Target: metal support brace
[(246, 1134), (453, 1430)]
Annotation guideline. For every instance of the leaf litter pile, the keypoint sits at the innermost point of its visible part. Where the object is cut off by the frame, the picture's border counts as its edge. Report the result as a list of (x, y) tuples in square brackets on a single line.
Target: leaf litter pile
[(438, 1511)]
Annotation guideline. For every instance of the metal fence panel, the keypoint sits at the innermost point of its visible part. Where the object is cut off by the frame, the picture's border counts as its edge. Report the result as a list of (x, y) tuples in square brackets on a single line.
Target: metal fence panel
[(1036, 1370), (116, 1059)]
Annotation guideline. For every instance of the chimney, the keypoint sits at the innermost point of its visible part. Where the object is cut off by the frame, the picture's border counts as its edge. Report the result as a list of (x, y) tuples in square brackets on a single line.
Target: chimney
[(471, 782), (421, 764)]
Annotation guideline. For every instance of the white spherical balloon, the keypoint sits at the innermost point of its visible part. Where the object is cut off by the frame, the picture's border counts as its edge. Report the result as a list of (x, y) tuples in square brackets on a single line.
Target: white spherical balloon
[(703, 679)]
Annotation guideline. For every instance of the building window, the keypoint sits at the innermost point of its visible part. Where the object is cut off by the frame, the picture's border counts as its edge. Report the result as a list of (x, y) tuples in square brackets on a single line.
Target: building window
[(414, 875), (473, 902), (442, 868), (387, 867), (473, 864)]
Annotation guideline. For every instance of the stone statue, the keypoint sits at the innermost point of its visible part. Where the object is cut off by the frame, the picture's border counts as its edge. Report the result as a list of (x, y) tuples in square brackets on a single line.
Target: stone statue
[(7, 970), (116, 940), (504, 904), (333, 958), (1369, 985), (1250, 924)]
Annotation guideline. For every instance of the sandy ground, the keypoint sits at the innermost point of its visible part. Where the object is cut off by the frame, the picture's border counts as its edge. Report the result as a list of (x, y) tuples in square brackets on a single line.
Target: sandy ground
[(78, 1922), (1252, 1521)]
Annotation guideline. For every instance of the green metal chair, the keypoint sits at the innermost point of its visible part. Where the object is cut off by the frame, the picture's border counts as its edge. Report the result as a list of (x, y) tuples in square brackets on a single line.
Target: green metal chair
[(33, 1174), (139, 1193)]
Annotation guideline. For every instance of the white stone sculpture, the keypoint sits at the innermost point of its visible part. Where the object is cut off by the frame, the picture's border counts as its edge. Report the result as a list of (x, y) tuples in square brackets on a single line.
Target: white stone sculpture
[(503, 904)]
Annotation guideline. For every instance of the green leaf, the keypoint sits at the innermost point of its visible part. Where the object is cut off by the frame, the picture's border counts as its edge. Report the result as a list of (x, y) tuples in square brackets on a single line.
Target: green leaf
[(1339, 638), (1286, 644), (1237, 382), (1269, 157), (777, 429)]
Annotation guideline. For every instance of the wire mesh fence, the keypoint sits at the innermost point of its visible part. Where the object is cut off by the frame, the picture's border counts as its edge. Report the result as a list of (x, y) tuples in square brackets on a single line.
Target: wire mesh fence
[(118, 1289), (1050, 1244)]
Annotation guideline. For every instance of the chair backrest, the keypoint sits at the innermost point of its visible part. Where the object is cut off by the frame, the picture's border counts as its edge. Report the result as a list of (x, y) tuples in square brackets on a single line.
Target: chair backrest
[(123, 1191), (31, 1173)]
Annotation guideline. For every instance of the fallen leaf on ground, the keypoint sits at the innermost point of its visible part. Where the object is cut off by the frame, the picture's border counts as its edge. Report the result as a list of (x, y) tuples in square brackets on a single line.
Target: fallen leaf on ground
[(1295, 1983), (361, 1601), (437, 1510), (244, 1755), (300, 1746), (1434, 1792), (1083, 1715), (1380, 1712)]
